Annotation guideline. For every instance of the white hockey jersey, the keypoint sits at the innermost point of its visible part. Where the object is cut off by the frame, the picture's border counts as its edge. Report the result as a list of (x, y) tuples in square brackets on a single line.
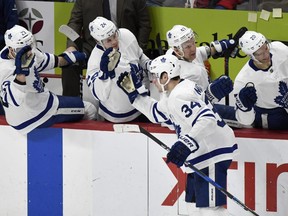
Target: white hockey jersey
[(114, 104), (266, 82), (26, 106), (195, 70), (190, 115)]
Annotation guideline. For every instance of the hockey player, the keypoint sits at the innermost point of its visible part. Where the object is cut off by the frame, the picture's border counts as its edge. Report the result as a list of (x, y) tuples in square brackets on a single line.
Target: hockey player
[(27, 103), (203, 137), (114, 51), (260, 88), (181, 40)]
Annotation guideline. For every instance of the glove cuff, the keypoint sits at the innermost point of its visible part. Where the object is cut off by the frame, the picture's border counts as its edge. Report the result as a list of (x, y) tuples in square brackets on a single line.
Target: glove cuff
[(106, 76), (189, 142), (240, 105), (210, 96), (217, 46), (142, 90)]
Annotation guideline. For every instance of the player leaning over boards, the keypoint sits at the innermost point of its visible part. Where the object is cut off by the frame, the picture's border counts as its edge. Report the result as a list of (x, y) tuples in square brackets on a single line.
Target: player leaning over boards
[(182, 41), (29, 105), (260, 88), (203, 137), (115, 50)]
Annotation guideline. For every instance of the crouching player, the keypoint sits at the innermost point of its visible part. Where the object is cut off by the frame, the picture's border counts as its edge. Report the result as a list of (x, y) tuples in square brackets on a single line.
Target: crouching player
[(203, 137), (27, 103)]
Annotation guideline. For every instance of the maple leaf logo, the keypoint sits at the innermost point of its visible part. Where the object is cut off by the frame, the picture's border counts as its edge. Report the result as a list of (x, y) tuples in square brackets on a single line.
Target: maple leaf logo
[(282, 99), (177, 129)]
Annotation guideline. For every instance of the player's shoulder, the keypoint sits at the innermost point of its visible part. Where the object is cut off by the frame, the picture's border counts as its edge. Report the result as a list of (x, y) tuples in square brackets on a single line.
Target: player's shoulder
[(278, 44), (186, 89), (126, 36), (125, 32), (96, 52), (278, 47)]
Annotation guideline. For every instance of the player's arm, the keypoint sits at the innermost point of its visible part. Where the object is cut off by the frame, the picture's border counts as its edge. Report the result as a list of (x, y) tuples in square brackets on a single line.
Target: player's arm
[(131, 84), (202, 122), (70, 57), (219, 47), (219, 88), (245, 99), (154, 110), (196, 113), (99, 87), (216, 48)]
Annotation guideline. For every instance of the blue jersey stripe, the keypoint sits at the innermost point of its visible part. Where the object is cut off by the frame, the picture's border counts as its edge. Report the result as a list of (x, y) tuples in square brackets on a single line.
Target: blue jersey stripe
[(11, 95), (45, 172), (206, 111), (157, 112), (216, 152), (36, 118), (117, 115)]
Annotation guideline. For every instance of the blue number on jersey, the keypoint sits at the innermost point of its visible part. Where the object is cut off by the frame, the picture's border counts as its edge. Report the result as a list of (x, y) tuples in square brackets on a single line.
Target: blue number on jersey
[(91, 79), (188, 110)]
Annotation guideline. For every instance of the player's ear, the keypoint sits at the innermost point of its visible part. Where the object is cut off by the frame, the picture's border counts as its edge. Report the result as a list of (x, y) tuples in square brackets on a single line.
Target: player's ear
[(177, 52), (164, 77)]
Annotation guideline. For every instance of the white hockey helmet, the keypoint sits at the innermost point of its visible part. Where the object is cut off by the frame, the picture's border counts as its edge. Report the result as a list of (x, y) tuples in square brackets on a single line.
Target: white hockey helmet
[(18, 37), (102, 28), (165, 63), (251, 41), (178, 35)]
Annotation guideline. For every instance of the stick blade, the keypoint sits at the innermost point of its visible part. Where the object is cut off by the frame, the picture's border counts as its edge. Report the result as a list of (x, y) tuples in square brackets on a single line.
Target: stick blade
[(68, 32), (122, 128)]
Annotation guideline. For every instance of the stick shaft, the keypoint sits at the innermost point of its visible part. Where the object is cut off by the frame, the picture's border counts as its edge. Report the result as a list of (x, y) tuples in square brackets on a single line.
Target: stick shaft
[(74, 36), (200, 173)]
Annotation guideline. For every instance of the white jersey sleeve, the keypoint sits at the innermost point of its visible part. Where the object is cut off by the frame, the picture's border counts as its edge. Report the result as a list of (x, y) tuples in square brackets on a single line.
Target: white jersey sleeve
[(193, 115), (195, 72), (187, 104), (45, 61), (155, 111), (202, 54), (114, 104), (266, 82), (99, 88), (27, 105)]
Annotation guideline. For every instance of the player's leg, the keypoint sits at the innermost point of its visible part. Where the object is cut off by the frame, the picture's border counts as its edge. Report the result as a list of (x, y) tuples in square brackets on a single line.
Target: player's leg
[(228, 114), (71, 109), (209, 200), (90, 111), (274, 119), (190, 195)]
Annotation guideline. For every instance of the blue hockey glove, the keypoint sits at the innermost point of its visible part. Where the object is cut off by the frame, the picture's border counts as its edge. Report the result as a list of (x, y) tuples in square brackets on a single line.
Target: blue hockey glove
[(131, 83), (24, 61), (179, 152), (221, 46), (73, 57), (109, 61), (282, 99), (219, 88), (246, 98)]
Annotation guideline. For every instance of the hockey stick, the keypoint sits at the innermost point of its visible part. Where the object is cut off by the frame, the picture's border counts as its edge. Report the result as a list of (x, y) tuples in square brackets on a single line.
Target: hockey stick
[(121, 128), (74, 36), (232, 52), (158, 43)]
